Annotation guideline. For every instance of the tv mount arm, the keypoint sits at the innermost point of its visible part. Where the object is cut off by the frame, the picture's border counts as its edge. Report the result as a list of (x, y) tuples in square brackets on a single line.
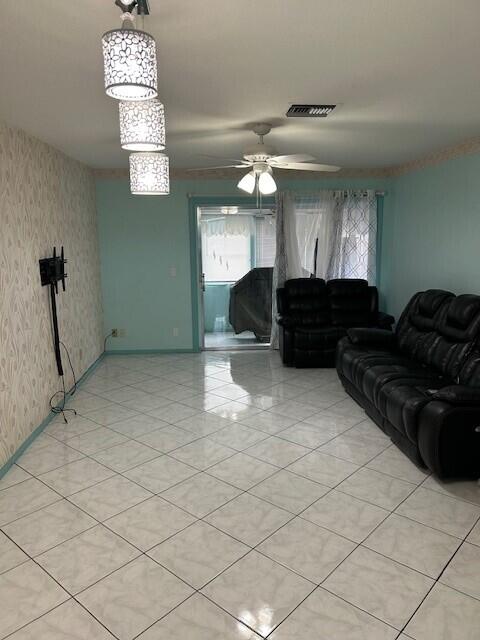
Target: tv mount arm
[(52, 270)]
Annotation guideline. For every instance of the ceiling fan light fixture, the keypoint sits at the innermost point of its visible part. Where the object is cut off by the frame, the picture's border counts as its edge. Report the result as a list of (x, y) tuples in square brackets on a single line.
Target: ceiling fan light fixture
[(266, 183), (142, 125), (247, 183), (149, 174), (130, 62)]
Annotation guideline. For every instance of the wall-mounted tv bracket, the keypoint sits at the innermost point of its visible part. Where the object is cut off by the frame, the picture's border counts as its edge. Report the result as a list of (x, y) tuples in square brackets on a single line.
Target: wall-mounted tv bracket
[(52, 271)]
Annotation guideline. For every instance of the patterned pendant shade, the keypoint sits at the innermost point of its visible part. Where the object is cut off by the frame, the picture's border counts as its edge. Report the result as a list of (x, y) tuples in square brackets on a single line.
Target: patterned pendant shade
[(142, 125), (149, 174), (130, 64)]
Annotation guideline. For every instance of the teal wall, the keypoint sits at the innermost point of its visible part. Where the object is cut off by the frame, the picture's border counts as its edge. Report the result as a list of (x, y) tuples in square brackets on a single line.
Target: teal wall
[(143, 237), (431, 233)]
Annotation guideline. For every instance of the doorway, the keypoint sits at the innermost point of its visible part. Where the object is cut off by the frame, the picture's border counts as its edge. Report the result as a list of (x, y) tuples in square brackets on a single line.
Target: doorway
[(236, 253)]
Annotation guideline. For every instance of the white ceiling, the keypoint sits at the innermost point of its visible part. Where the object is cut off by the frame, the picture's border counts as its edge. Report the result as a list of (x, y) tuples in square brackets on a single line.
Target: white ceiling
[(405, 73)]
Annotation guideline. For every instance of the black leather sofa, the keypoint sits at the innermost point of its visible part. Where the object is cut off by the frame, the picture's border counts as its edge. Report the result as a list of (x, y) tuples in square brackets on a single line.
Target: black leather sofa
[(313, 315), (421, 384)]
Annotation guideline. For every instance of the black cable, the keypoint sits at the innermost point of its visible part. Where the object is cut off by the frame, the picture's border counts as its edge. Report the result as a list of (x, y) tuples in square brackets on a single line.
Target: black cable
[(55, 408), (105, 341), (73, 389)]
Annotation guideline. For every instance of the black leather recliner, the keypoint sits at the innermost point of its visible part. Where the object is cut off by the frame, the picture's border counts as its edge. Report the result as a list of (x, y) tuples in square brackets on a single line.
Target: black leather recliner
[(313, 315), (421, 384)]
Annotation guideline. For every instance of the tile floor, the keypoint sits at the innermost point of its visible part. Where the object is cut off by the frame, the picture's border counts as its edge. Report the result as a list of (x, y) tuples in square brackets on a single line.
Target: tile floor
[(221, 496), (228, 339)]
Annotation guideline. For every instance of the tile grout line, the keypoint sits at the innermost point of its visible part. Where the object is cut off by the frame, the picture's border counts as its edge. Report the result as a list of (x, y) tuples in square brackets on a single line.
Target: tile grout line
[(437, 580), (278, 469)]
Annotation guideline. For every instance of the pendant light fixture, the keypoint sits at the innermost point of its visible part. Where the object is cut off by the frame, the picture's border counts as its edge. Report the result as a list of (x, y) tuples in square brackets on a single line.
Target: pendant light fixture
[(149, 174), (130, 60), (142, 125), (130, 65)]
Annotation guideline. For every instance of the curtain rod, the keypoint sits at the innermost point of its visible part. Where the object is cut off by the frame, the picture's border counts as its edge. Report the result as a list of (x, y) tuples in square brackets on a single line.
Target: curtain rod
[(309, 193), (230, 195)]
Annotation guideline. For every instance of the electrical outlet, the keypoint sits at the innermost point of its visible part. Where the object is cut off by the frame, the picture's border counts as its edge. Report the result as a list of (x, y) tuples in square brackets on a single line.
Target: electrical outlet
[(173, 272), (175, 332), (114, 333), (122, 333)]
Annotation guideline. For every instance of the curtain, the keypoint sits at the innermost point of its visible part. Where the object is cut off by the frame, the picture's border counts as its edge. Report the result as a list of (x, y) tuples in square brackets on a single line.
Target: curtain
[(343, 226), (314, 217), (354, 250), (287, 259)]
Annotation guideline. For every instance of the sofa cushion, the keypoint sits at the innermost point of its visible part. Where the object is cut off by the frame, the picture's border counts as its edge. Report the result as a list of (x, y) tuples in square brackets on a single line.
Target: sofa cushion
[(318, 338), (307, 300), (470, 372), (402, 400), (376, 377), (416, 329), (358, 360), (374, 338), (456, 331), (350, 302), (440, 330)]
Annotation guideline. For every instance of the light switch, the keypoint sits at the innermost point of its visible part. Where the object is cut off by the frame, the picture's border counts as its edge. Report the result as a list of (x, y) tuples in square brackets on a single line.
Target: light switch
[(173, 272)]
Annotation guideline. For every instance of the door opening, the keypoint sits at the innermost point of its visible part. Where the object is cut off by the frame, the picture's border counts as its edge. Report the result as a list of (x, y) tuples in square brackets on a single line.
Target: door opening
[(236, 247)]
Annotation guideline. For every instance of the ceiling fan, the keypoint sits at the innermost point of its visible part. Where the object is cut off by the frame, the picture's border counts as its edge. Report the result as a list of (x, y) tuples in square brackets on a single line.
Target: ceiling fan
[(262, 159)]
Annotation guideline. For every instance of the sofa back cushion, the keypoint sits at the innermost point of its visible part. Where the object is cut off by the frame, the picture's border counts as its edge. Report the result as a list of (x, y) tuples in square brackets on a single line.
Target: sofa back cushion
[(439, 330), (352, 302), (416, 327), (457, 331), (470, 372), (307, 301)]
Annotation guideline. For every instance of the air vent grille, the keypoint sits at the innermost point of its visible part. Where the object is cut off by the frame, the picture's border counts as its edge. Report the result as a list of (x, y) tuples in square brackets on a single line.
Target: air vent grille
[(310, 110)]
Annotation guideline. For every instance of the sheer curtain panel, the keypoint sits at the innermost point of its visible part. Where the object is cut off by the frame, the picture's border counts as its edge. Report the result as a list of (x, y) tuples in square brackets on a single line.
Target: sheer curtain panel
[(354, 243)]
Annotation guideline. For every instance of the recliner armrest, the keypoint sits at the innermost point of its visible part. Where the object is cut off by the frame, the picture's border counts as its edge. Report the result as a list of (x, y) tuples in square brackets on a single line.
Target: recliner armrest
[(459, 395), (371, 337), (385, 320)]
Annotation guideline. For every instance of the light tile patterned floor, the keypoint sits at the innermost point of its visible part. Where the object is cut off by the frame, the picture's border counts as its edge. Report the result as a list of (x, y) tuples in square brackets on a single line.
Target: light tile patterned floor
[(221, 496)]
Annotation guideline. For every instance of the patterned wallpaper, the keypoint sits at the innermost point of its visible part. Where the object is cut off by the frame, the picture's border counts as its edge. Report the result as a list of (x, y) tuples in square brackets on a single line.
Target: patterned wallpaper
[(46, 199)]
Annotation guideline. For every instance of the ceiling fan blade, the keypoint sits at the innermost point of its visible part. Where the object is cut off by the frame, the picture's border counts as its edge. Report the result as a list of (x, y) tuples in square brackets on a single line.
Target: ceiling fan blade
[(224, 166), (296, 157), (307, 166), (238, 160)]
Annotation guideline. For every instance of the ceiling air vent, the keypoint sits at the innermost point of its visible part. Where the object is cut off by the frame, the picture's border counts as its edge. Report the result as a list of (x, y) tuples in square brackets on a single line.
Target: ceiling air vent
[(310, 110)]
